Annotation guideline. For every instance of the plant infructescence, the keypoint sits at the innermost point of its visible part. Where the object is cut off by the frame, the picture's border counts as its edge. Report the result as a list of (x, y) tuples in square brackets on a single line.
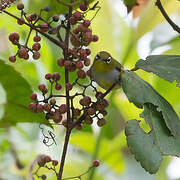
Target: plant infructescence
[(74, 41)]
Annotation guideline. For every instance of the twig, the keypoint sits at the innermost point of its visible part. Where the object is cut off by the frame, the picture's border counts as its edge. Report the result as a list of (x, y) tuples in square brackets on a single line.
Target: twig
[(79, 121), (15, 155), (173, 25), (28, 37), (78, 177), (134, 69), (58, 43)]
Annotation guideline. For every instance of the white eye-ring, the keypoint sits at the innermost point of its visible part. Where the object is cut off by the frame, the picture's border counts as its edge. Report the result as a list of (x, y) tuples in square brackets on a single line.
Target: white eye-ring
[(97, 56), (108, 60)]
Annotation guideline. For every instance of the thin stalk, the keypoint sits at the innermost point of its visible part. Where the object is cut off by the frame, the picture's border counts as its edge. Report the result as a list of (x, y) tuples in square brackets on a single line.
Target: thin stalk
[(96, 152), (58, 43)]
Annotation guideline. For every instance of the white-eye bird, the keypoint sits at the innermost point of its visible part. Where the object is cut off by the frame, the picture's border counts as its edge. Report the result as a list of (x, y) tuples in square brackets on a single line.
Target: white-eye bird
[(105, 70)]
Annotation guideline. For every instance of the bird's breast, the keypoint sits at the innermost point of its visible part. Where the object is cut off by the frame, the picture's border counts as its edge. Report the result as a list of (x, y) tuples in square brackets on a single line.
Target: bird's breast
[(107, 79)]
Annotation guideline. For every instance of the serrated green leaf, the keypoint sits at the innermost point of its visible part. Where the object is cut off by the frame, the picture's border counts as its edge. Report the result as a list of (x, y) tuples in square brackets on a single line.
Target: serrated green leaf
[(165, 66), (167, 143), (140, 92), (143, 146), (17, 94)]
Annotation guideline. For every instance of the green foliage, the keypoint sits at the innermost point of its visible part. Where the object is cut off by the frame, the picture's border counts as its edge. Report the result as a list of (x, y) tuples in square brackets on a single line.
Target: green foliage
[(143, 146), (149, 148), (165, 66), (159, 115), (168, 144), (17, 94), (119, 38), (132, 85)]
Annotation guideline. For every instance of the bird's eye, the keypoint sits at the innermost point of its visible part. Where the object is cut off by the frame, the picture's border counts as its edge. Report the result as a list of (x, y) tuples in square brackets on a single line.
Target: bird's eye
[(108, 60), (97, 56)]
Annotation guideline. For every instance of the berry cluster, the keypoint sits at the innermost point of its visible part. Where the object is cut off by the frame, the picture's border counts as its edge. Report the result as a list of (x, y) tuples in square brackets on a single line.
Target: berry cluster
[(45, 161), (5, 4), (55, 112), (36, 23), (77, 58), (91, 105), (82, 34)]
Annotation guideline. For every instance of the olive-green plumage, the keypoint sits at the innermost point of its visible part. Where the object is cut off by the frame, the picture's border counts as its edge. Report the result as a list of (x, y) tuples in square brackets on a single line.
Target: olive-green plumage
[(105, 70)]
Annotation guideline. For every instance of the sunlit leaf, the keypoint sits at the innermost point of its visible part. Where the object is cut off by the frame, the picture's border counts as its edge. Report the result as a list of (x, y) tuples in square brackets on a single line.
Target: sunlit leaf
[(140, 92), (165, 66)]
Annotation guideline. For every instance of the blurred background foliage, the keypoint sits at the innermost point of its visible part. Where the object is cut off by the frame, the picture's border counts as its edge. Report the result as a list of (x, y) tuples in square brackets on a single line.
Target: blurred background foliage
[(128, 37)]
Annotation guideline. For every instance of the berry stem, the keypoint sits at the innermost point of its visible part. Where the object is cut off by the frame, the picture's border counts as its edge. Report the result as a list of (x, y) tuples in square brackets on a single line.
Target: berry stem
[(28, 37), (96, 152), (58, 43), (79, 177)]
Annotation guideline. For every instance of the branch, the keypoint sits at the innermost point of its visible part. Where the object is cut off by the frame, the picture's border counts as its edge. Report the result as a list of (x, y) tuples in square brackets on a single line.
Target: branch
[(172, 24), (19, 164), (58, 43), (69, 120), (78, 177)]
